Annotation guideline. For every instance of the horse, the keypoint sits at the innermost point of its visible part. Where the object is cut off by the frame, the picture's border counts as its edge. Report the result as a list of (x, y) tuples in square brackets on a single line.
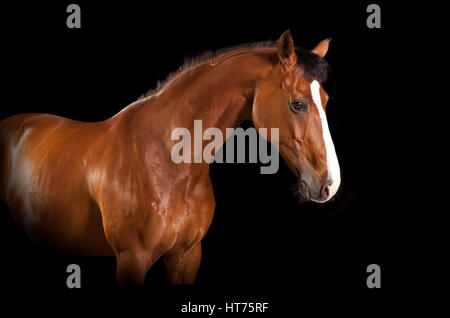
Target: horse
[(111, 188)]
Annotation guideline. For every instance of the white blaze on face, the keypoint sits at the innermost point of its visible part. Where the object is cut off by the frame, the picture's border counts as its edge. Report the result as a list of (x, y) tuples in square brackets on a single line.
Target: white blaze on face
[(334, 172)]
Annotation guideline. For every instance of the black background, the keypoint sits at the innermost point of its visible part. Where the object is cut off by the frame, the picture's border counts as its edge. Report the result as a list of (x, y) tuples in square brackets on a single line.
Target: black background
[(262, 245)]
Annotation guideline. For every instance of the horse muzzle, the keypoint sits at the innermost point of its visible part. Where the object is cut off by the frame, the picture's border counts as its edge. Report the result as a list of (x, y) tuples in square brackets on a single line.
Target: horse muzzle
[(311, 191)]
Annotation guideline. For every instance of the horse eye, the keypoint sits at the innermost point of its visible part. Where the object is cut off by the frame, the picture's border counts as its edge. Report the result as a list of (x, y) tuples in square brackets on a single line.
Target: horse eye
[(299, 106)]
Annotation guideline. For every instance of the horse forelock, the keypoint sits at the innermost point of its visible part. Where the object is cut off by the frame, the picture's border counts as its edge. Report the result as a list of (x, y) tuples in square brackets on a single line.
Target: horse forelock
[(314, 66)]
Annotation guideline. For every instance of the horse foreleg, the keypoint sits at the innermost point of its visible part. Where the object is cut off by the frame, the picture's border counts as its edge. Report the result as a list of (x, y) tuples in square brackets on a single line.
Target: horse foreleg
[(132, 266), (182, 265)]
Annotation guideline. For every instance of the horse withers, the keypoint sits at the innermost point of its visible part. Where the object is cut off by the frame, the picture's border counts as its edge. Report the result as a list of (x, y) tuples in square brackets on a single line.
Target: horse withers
[(111, 188)]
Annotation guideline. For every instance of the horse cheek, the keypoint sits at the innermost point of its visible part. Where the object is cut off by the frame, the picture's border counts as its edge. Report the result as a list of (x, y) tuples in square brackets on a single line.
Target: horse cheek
[(260, 111)]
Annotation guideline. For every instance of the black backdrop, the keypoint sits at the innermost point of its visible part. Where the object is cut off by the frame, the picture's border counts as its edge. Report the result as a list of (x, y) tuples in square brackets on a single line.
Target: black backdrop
[(262, 245)]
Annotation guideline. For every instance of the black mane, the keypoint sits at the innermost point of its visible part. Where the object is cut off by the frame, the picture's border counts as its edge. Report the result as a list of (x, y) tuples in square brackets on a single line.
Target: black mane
[(314, 66)]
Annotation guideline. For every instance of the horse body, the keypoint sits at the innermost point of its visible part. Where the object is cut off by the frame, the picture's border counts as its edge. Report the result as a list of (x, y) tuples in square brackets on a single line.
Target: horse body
[(42, 181), (111, 188)]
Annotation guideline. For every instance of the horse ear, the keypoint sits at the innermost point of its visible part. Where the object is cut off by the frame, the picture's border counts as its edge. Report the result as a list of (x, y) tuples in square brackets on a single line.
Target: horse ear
[(286, 50), (322, 48)]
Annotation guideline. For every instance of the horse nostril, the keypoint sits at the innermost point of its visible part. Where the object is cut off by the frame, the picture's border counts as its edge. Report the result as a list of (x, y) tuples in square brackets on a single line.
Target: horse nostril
[(325, 191)]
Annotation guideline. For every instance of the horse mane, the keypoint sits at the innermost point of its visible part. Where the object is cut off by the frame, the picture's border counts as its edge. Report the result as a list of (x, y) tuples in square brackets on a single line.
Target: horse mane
[(314, 66)]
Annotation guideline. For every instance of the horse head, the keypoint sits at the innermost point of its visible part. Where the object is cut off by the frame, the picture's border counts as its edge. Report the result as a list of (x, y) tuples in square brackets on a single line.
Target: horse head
[(292, 98)]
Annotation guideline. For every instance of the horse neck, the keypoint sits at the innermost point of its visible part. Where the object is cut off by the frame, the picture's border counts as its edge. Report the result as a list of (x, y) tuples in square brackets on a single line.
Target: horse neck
[(219, 91)]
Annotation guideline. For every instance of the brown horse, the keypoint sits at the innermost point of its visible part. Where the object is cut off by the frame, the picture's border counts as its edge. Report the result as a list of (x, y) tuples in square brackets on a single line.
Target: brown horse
[(111, 188)]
